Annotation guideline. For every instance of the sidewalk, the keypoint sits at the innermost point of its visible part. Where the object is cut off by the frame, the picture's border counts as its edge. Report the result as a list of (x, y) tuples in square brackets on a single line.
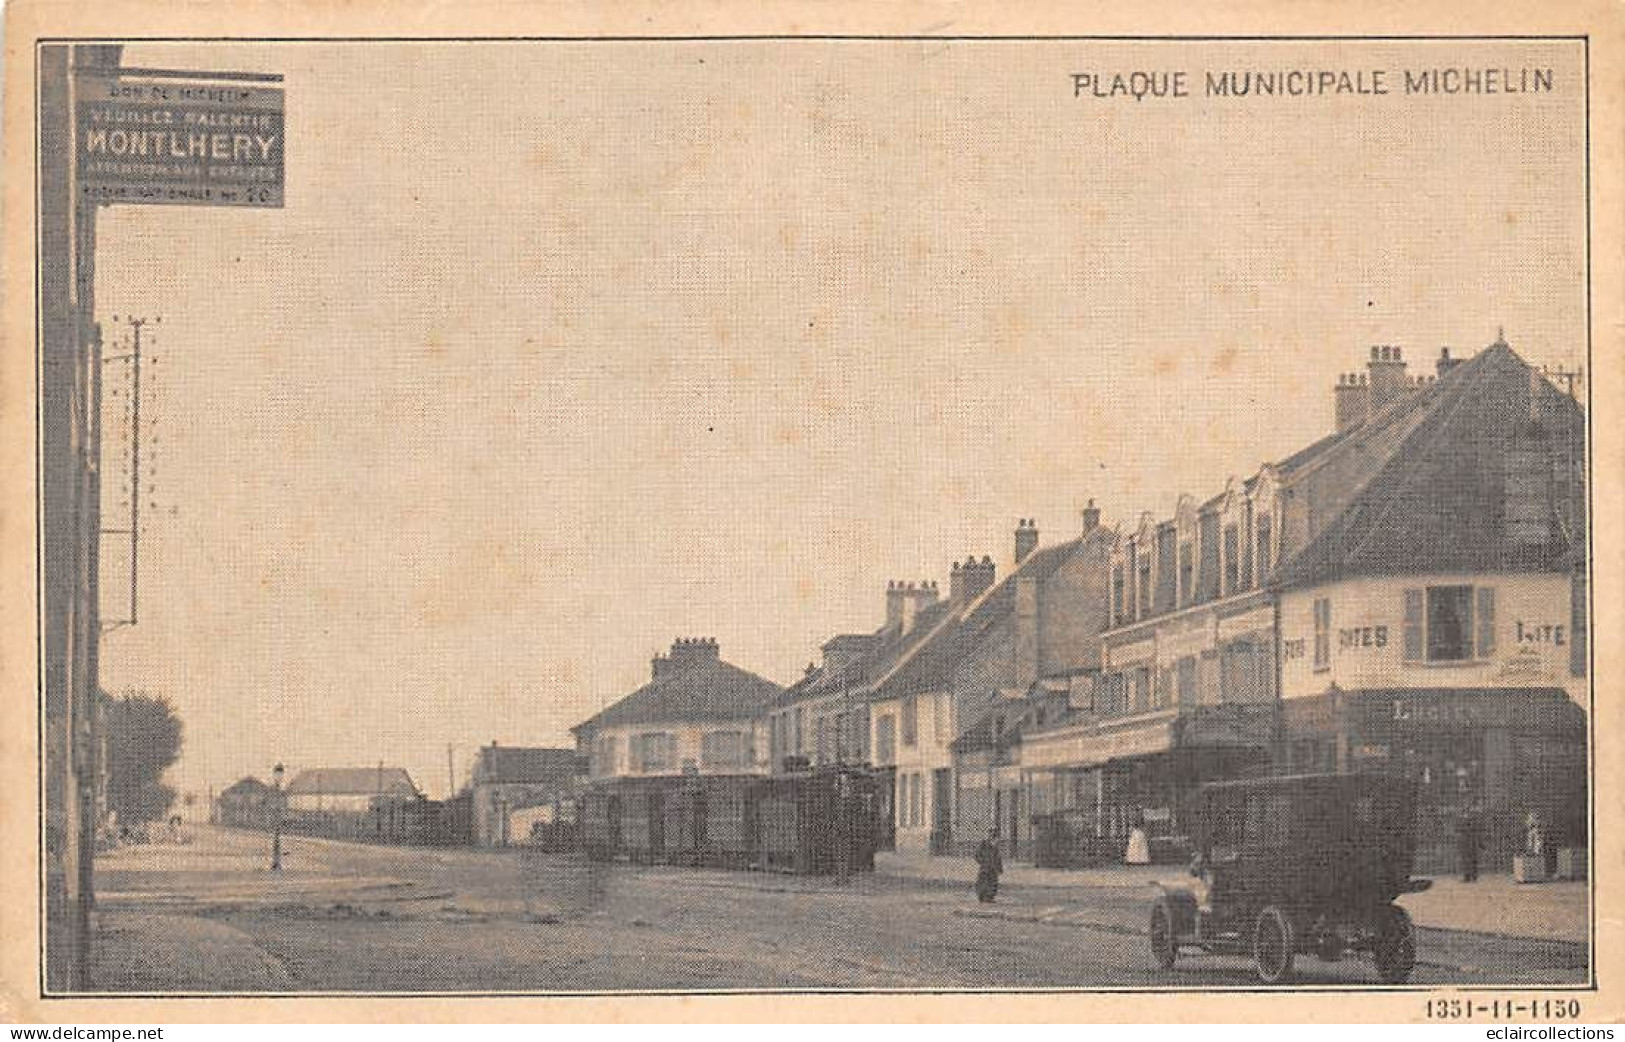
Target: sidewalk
[(1493, 905)]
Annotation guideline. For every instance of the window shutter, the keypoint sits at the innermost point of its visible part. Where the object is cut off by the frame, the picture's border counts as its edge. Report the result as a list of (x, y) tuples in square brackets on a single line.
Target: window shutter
[(1486, 621), (1413, 625)]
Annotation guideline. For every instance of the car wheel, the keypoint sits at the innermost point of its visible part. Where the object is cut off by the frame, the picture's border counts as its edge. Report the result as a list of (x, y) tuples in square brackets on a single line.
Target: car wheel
[(1163, 947), (1274, 944), (1395, 950)]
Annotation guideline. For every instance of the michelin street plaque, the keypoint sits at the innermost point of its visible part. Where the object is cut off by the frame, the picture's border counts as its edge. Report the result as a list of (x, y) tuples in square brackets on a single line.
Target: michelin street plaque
[(191, 142)]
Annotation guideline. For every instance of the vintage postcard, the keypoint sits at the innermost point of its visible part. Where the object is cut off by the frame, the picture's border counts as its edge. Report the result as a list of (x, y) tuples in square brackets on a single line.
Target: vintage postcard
[(812, 512)]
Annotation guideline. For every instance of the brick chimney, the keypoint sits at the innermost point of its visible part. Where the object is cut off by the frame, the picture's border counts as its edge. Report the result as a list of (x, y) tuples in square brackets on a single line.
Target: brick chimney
[(692, 651), (1388, 380), (1091, 517), (973, 578), (916, 597), (894, 603), (1352, 398), (1026, 538), (1445, 362)]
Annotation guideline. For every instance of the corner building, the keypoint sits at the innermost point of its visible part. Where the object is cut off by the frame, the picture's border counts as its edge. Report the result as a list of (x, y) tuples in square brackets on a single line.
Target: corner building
[(1437, 627), (1407, 594)]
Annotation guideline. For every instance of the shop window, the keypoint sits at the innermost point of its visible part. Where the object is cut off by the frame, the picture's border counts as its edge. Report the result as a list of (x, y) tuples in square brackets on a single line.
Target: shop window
[(1323, 632), (911, 721)]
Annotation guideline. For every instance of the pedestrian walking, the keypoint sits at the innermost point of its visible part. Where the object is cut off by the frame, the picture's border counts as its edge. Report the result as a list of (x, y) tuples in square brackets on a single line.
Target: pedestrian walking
[(1469, 839), (989, 866), (1534, 836)]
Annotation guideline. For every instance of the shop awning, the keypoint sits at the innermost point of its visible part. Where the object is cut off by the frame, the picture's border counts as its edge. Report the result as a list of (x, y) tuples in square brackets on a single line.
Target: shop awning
[(1089, 747), (1401, 710)]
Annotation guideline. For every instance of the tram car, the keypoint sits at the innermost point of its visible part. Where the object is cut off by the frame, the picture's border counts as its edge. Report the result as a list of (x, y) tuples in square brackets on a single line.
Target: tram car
[(819, 822), (807, 822)]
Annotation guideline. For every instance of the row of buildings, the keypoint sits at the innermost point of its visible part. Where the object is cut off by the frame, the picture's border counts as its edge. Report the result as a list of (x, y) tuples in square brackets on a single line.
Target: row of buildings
[(1407, 594), (514, 795)]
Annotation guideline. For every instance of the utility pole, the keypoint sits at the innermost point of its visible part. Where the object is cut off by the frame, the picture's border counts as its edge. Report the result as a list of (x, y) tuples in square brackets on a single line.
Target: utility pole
[(135, 458), (134, 357)]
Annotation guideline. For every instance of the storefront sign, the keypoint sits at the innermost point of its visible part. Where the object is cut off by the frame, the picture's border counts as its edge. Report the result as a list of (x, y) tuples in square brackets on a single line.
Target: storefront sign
[(1260, 622), (177, 141), (1360, 638), (1092, 748), (1193, 641), (1555, 634), (1399, 712)]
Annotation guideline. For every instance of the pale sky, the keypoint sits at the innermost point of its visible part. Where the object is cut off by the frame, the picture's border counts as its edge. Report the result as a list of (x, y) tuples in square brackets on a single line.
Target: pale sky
[(561, 350)]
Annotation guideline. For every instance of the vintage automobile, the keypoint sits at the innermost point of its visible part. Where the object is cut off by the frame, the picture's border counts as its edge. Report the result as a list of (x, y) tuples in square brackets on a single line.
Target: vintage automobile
[(1305, 864)]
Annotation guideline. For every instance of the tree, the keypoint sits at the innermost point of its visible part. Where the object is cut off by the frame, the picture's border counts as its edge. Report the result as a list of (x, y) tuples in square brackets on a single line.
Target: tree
[(143, 739)]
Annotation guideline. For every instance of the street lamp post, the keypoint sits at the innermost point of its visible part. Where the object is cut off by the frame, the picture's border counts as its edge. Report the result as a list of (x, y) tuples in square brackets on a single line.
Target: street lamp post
[(276, 822)]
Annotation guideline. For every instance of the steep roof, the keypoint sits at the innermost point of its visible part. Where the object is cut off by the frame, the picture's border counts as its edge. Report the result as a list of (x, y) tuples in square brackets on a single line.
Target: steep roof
[(351, 781), (513, 763), (1438, 502), (708, 690), (246, 787), (930, 661)]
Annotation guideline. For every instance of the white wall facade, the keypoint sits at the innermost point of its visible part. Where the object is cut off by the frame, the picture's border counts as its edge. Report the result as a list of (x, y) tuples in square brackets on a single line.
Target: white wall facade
[(916, 762), (1365, 629), (615, 759)]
